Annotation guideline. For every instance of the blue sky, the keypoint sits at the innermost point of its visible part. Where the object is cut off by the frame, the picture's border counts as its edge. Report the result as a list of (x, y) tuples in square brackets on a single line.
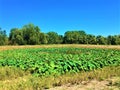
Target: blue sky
[(98, 17)]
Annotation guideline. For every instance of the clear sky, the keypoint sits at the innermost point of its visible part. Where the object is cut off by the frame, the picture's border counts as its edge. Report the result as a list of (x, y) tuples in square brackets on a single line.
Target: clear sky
[(98, 17)]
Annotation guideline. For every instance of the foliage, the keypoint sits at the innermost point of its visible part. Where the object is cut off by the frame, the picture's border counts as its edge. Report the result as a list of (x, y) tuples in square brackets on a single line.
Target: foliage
[(3, 37), (77, 37), (53, 38), (16, 37), (31, 35), (57, 61)]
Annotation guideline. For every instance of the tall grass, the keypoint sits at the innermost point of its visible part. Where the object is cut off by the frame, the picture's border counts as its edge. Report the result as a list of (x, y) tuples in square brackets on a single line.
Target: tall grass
[(8, 73), (17, 80)]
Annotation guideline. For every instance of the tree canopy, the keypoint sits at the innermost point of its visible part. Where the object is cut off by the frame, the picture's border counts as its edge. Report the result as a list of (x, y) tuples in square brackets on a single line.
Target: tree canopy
[(31, 35)]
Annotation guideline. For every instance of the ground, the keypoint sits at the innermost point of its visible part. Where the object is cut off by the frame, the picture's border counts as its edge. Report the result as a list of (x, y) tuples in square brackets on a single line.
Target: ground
[(107, 84)]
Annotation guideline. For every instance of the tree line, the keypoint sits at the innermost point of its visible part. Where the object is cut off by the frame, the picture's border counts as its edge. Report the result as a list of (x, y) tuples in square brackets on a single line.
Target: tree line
[(31, 35)]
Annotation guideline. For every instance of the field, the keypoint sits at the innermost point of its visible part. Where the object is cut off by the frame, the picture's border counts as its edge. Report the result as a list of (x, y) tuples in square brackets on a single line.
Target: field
[(47, 66)]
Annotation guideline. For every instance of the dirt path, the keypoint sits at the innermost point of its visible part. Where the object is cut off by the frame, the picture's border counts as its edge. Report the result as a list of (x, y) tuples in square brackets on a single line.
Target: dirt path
[(90, 85)]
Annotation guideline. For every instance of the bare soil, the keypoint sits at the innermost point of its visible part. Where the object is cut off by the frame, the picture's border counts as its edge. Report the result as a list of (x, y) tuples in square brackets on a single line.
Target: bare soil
[(91, 85)]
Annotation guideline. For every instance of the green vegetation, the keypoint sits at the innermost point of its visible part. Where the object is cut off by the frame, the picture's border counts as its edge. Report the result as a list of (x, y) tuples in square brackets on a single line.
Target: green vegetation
[(30, 68), (3, 37), (32, 35), (57, 61), (7, 73), (29, 82)]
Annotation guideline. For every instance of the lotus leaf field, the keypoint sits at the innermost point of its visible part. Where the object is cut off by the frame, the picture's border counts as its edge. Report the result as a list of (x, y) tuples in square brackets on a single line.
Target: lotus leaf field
[(57, 61)]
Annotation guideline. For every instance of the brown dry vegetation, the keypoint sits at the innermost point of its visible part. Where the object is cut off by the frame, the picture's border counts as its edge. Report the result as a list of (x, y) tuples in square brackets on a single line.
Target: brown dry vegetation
[(61, 45), (107, 84), (101, 79)]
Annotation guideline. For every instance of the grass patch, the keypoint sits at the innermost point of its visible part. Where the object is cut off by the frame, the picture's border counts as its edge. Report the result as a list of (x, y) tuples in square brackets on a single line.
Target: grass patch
[(8, 73), (117, 84), (29, 82)]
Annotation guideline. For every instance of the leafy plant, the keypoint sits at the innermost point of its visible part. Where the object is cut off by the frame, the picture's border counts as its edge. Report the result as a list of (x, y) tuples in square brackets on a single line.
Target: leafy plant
[(53, 61)]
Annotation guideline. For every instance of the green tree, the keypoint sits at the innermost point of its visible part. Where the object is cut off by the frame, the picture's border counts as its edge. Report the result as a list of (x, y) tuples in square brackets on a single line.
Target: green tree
[(16, 37), (91, 39), (60, 39), (43, 38), (117, 39), (111, 40), (101, 40), (31, 34), (82, 37), (3, 37), (53, 38), (75, 37)]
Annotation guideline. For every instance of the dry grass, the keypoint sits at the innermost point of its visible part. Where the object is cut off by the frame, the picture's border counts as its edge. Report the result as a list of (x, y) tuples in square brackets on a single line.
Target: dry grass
[(29, 82), (107, 84), (61, 45)]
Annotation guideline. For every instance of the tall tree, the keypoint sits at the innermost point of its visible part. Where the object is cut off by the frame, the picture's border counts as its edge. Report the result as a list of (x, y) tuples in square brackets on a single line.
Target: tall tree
[(82, 37), (53, 38), (75, 37), (117, 39), (91, 39), (43, 38), (3, 37), (111, 40), (60, 39), (101, 40), (16, 37), (31, 34)]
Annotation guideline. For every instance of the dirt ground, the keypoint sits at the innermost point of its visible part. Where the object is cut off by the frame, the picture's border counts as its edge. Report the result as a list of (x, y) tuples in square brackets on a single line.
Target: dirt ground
[(91, 85)]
